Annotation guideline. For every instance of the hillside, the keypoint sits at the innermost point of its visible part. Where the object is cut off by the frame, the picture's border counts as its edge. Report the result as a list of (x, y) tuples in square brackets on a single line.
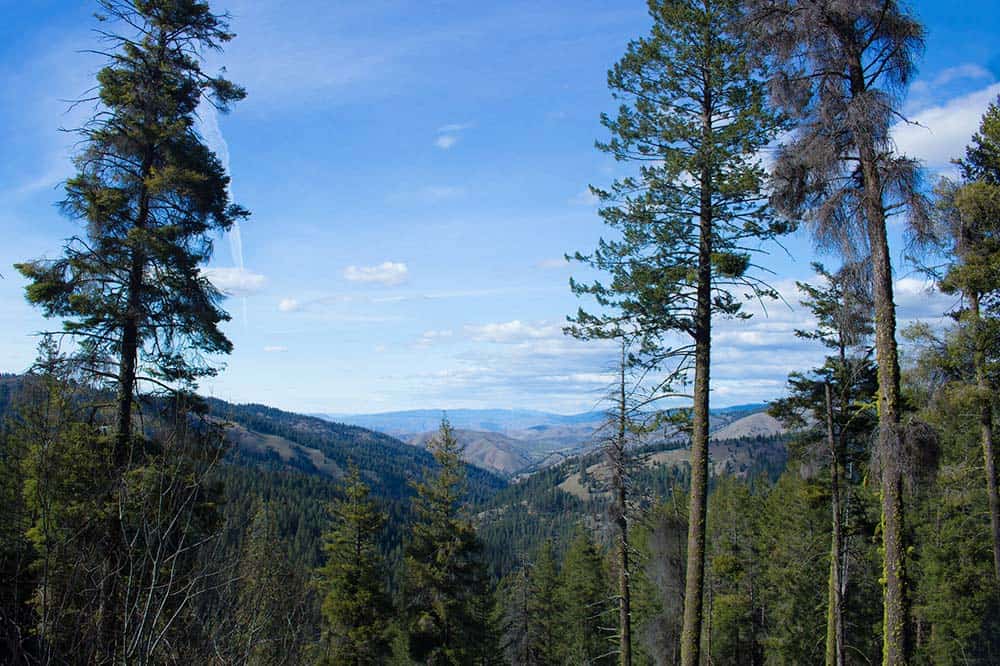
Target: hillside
[(549, 503), (499, 440), (486, 420)]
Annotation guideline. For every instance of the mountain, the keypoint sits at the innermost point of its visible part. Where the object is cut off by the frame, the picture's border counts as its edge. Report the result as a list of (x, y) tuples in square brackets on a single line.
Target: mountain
[(512, 443), (488, 450), (486, 420)]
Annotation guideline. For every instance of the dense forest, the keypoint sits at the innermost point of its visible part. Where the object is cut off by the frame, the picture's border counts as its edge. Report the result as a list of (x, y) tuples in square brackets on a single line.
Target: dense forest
[(145, 524)]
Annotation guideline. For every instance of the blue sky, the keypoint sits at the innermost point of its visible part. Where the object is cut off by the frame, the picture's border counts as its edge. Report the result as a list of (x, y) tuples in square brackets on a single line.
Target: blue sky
[(416, 172)]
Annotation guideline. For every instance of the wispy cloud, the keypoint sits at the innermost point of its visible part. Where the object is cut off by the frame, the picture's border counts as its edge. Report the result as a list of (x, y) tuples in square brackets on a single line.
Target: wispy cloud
[(428, 338), (388, 273), (963, 72), (584, 198), (233, 281), (446, 141), (289, 305), (455, 127), (449, 135), (940, 133), (275, 349)]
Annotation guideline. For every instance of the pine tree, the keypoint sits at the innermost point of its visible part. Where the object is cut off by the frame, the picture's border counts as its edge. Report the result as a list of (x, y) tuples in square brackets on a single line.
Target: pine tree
[(543, 606), (131, 289), (271, 599), (445, 577), (830, 410), (736, 635), (694, 117), (843, 67), (356, 608), (150, 194), (585, 601), (969, 234)]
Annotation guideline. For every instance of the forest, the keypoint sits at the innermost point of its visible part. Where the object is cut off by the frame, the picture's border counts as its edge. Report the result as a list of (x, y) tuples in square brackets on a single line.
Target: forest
[(145, 523)]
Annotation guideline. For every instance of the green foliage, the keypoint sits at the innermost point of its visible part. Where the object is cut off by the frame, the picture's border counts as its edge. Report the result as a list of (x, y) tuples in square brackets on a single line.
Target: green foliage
[(270, 618), (445, 576), (961, 612), (356, 608), (150, 194), (694, 65), (735, 566), (585, 600)]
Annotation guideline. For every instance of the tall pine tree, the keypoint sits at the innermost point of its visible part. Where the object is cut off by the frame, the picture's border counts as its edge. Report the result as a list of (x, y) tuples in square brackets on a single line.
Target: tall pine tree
[(150, 194), (843, 67), (694, 116)]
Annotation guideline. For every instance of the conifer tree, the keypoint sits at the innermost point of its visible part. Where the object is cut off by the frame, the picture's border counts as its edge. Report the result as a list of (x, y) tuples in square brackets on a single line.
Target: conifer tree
[(150, 194), (542, 605), (842, 69), (356, 608), (445, 577), (584, 597), (969, 234), (830, 410), (130, 289), (270, 603), (694, 117)]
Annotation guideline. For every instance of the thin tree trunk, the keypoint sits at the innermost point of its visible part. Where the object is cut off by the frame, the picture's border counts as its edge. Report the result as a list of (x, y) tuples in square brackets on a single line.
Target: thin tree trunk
[(895, 626), (624, 596), (834, 625), (695, 576), (986, 429)]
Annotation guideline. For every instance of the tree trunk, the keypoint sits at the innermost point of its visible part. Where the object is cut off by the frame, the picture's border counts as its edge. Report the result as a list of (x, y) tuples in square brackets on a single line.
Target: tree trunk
[(986, 429), (624, 596), (835, 620), (695, 576), (895, 627)]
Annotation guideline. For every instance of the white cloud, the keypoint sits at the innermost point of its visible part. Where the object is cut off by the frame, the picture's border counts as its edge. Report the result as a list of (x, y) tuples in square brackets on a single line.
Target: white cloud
[(430, 337), (943, 131), (448, 135), (388, 273), (512, 332), (967, 71), (235, 281), (289, 305), (446, 141), (275, 349)]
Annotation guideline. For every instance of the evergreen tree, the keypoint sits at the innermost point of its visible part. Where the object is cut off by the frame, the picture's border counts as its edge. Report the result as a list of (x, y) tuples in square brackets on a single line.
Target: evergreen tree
[(585, 601), (131, 289), (660, 541), (843, 67), (271, 599), (445, 576), (355, 606), (63, 472), (830, 410), (543, 606), (694, 116), (736, 633), (969, 234), (150, 194)]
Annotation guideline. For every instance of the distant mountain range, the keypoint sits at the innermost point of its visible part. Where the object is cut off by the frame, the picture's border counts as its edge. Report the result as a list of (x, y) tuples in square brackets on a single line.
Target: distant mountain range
[(486, 420), (512, 442)]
